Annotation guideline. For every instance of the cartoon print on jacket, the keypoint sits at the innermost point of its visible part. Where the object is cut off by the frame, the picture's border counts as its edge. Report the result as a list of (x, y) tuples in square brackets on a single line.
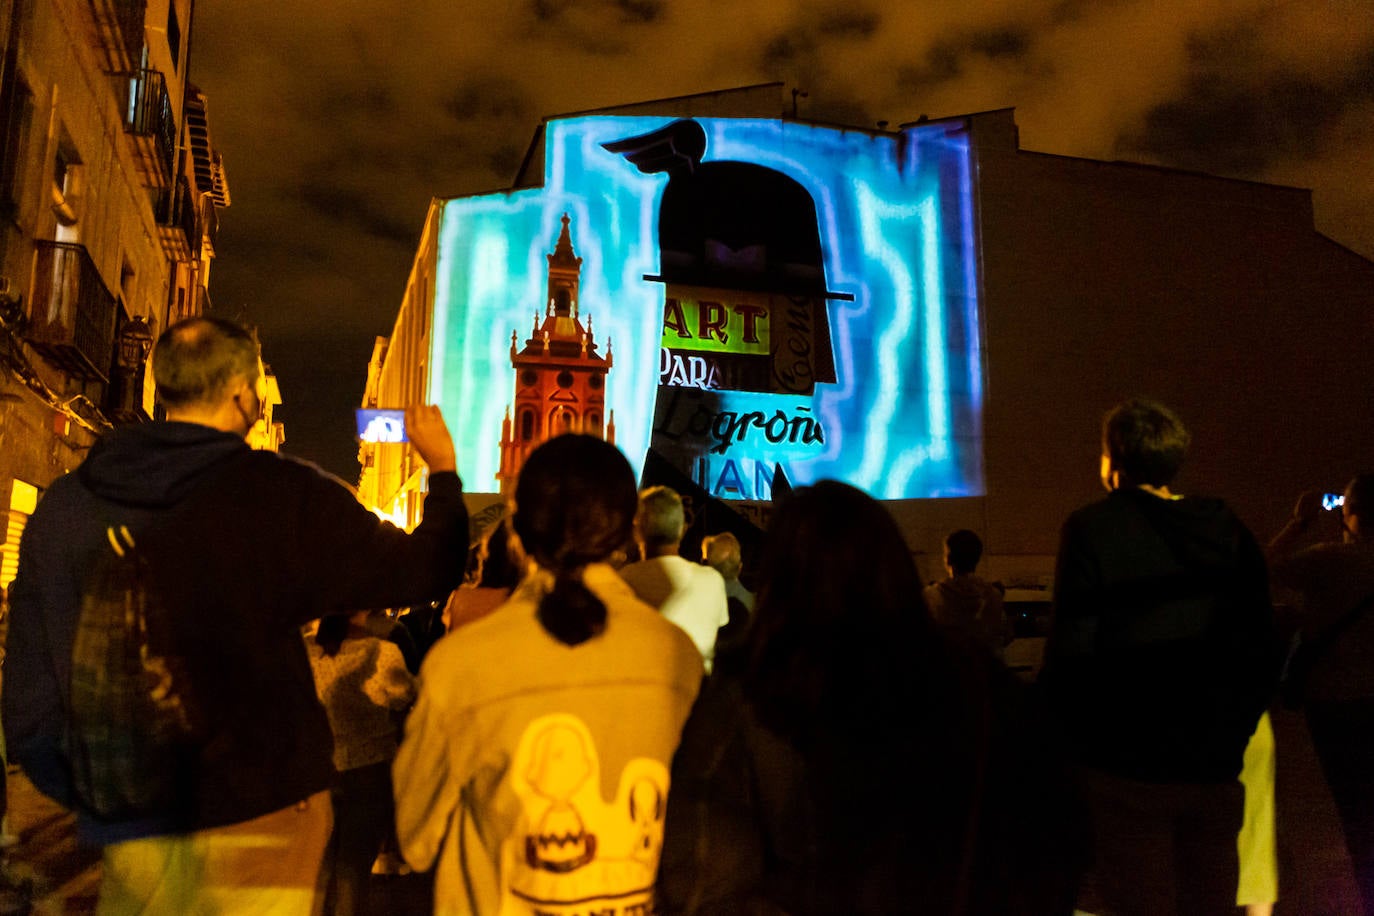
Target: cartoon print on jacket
[(573, 851)]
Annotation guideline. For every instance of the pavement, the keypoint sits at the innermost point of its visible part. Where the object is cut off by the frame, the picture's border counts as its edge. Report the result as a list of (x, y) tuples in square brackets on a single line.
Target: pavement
[(46, 873)]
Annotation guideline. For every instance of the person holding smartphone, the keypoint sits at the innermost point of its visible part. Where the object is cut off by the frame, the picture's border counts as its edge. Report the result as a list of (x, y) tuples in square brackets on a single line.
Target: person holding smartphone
[(247, 546), (1334, 581)]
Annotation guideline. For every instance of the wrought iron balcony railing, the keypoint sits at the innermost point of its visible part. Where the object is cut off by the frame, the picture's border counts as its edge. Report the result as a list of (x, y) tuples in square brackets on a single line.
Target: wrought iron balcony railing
[(176, 211), (211, 226), (147, 111), (71, 313)]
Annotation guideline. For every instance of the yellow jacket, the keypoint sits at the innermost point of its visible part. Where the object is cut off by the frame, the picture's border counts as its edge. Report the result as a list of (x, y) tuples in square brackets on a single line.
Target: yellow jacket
[(536, 773)]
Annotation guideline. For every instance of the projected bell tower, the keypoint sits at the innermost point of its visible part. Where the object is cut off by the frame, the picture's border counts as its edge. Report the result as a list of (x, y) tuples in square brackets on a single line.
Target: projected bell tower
[(560, 379)]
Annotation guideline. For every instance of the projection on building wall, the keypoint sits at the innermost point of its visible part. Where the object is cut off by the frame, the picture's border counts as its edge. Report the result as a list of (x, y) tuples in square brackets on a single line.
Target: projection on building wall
[(752, 300)]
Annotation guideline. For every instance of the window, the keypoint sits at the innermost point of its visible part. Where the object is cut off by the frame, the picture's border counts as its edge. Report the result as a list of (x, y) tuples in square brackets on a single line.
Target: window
[(67, 184), (16, 119), (174, 35), (23, 499), (126, 280)]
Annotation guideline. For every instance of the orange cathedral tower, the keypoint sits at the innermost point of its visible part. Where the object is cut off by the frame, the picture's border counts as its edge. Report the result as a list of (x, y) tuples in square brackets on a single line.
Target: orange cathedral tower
[(560, 380)]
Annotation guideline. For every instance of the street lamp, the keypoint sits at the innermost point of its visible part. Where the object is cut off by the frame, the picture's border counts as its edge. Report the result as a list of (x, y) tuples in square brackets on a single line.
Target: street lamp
[(135, 341)]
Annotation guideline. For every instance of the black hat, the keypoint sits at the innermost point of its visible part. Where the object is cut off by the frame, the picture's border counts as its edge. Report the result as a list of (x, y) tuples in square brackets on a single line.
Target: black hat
[(736, 225)]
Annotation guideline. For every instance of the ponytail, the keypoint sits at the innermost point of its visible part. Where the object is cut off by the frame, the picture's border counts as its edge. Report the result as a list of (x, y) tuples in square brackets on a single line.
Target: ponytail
[(331, 633), (575, 504), (570, 612)]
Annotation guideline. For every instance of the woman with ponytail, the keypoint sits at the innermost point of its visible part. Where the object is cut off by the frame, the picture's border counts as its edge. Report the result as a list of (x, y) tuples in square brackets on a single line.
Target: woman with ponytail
[(534, 769)]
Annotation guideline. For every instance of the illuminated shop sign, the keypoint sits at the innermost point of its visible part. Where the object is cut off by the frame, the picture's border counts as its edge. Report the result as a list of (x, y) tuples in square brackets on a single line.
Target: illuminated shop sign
[(743, 297)]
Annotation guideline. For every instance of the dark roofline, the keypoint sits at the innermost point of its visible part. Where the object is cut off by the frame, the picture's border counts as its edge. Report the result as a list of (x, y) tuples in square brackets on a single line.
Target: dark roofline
[(959, 117), (1342, 246), (1126, 163), (534, 150), (535, 146), (611, 109)]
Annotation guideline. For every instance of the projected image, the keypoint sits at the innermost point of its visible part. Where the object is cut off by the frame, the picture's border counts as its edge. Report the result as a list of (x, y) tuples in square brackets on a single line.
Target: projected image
[(742, 301)]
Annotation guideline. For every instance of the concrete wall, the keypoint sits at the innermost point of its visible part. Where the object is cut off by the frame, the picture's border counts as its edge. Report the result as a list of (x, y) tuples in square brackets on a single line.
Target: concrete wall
[(1217, 297)]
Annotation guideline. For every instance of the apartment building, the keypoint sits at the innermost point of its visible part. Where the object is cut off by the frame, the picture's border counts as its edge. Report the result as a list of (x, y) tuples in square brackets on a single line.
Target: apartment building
[(110, 190)]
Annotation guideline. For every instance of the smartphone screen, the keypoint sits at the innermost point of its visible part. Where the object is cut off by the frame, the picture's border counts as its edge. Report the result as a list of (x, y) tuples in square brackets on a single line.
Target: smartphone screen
[(381, 424), (1332, 501)]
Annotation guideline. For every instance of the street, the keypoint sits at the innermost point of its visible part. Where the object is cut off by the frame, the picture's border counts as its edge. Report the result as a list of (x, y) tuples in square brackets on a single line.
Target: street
[(47, 867)]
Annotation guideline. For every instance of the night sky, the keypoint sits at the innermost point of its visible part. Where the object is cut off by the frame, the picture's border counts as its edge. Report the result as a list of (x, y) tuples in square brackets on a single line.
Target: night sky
[(337, 129)]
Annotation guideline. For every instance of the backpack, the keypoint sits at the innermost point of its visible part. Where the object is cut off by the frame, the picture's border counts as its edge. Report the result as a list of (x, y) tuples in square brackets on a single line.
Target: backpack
[(134, 724)]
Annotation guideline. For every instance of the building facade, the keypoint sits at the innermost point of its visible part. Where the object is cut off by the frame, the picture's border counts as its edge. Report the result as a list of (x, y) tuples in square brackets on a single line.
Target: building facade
[(109, 196), (1028, 293), (392, 480)]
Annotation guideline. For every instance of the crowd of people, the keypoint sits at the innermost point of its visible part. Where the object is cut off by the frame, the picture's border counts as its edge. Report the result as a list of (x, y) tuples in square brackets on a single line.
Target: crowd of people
[(600, 725)]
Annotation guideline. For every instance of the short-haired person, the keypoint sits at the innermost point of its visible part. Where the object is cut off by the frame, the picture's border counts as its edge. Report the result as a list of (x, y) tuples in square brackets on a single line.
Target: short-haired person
[(689, 594), (1335, 585), (260, 544), (967, 601), (534, 768), (722, 553), (1159, 663)]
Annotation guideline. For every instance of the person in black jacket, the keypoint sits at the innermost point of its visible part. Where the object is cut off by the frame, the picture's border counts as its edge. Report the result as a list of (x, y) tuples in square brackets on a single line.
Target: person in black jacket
[(247, 546), (858, 759), (1160, 660)]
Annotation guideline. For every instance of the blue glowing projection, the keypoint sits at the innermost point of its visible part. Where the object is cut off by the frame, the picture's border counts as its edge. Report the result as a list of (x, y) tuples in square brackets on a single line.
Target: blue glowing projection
[(732, 299)]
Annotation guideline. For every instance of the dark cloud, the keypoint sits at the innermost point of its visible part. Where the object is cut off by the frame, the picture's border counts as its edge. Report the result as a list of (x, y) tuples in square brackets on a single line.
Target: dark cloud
[(1239, 116), (999, 43), (358, 209), (1064, 12), (505, 159), (787, 49), (370, 101), (947, 59), (641, 10), (626, 11), (488, 99), (848, 22)]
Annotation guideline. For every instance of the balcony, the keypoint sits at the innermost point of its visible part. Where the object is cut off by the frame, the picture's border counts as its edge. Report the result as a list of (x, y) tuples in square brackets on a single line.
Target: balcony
[(147, 113), (71, 313), (211, 227), (175, 209), (120, 23)]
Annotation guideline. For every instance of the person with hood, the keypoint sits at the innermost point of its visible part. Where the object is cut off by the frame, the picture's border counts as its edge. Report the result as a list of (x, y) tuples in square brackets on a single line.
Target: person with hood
[(1159, 663), (246, 547)]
